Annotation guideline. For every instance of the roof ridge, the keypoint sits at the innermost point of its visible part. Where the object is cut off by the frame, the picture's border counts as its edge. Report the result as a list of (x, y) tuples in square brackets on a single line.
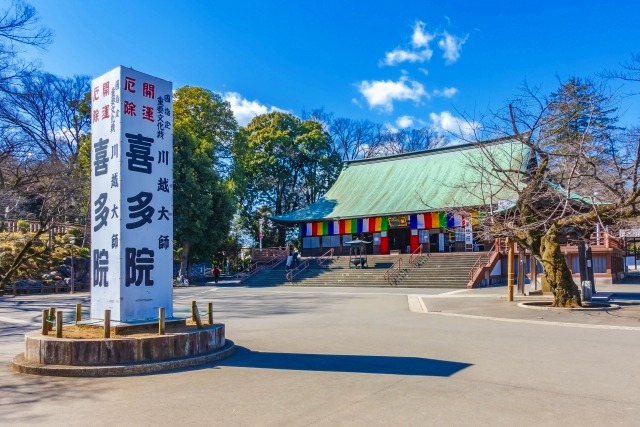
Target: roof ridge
[(432, 151)]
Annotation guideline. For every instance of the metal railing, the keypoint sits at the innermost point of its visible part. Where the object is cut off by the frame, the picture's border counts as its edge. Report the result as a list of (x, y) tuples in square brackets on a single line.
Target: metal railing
[(295, 271), (325, 257), (417, 253), (483, 261), (394, 269)]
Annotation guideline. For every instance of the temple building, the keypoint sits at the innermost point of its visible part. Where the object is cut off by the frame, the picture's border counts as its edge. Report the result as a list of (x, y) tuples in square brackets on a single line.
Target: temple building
[(399, 202), (429, 200)]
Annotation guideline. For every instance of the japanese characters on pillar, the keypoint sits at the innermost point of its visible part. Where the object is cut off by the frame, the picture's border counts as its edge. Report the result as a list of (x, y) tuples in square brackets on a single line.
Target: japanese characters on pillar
[(131, 196)]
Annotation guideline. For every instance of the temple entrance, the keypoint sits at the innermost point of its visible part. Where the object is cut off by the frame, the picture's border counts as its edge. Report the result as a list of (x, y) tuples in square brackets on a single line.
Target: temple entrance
[(398, 239)]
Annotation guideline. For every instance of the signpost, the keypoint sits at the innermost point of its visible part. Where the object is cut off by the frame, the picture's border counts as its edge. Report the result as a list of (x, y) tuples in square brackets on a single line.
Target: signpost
[(131, 196)]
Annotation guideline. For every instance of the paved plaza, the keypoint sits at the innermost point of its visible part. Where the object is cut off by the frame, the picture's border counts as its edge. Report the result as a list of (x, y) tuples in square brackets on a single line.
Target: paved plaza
[(357, 357)]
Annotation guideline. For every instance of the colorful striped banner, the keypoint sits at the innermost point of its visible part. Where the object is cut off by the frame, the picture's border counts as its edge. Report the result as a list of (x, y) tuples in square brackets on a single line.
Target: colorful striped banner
[(378, 226), (457, 220), (359, 225), (354, 226), (413, 222), (330, 228), (384, 223), (365, 225), (420, 218), (372, 225), (427, 221)]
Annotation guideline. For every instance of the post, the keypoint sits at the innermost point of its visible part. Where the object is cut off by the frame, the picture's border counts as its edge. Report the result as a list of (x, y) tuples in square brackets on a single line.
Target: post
[(196, 315), (589, 264), (521, 269), (45, 324), (78, 312), (72, 241), (107, 323), (510, 270), (533, 263), (161, 328), (582, 264), (59, 324), (211, 313)]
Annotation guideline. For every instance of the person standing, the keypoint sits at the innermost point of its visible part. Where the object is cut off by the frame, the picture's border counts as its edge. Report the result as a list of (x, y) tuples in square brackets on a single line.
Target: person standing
[(216, 274)]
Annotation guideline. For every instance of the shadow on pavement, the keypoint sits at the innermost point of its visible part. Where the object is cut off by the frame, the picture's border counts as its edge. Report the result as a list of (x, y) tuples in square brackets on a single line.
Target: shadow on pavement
[(388, 365)]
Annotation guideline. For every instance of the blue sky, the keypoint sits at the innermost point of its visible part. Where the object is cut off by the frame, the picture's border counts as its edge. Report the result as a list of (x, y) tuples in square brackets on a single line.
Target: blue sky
[(402, 63)]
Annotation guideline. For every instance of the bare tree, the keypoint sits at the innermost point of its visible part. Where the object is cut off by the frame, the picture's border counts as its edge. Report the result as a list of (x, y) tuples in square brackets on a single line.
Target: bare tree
[(570, 170), (18, 29)]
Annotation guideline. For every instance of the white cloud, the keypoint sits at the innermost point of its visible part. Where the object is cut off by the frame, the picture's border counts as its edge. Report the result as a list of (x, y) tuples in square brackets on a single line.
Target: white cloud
[(451, 46), (245, 110), (447, 123), (404, 122), (398, 56), (420, 37), (447, 92), (424, 71), (382, 93)]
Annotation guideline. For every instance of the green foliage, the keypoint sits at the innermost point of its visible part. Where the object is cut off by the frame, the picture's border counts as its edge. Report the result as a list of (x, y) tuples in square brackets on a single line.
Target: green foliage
[(282, 164), (209, 119)]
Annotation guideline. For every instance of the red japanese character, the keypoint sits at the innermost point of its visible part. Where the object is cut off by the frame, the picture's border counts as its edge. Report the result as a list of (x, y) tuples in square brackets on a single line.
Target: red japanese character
[(105, 89), (148, 90), (147, 113), (129, 84), (105, 112), (129, 108), (96, 93), (96, 116)]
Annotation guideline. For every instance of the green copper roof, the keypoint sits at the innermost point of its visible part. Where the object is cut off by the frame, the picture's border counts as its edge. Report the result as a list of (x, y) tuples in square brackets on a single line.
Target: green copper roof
[(432, 180)]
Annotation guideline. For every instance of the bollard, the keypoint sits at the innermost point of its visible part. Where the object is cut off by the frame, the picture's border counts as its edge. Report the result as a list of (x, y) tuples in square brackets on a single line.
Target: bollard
[(59, 324), (211, 313), (52, 315), (196, 315), (161, 321), (45, 325), (78, 312), (107, 323)]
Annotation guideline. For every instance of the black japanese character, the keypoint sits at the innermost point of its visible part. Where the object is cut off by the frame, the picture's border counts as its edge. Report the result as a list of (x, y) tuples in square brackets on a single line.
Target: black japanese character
[(100, 267), (114, 180), (138, 266), (163, 157), (101, 211), (141, 210), (114, 212), (101, 160), (163, 185), (114, 241), (140, 159), (163, 242), (163, 214)]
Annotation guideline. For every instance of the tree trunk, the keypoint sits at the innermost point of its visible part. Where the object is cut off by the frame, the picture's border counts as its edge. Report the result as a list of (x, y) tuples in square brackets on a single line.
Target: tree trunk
[(558, 275), (184, 259)]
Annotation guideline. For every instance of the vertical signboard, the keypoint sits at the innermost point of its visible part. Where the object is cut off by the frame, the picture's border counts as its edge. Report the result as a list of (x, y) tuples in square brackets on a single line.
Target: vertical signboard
[(131, 196)]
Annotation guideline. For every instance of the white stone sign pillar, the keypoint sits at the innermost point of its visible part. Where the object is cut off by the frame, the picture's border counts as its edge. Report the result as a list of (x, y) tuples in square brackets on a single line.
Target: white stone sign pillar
[(131, 196)]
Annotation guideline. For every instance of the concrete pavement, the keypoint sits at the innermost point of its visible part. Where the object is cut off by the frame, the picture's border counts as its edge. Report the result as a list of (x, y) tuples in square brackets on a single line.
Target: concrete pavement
[(335, 356)]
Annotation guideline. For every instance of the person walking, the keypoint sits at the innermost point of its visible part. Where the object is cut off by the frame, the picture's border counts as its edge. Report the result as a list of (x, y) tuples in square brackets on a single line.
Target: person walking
[(216, 274)]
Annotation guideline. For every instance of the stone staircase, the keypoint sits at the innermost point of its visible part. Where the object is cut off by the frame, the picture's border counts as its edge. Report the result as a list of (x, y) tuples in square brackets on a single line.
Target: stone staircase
[(446, 270)]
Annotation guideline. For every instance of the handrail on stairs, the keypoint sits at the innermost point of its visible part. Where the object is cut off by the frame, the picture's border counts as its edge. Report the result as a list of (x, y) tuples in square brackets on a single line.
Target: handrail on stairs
[(295, 271), (392, 270), (417, 253), (483, 261), (325, 257)]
